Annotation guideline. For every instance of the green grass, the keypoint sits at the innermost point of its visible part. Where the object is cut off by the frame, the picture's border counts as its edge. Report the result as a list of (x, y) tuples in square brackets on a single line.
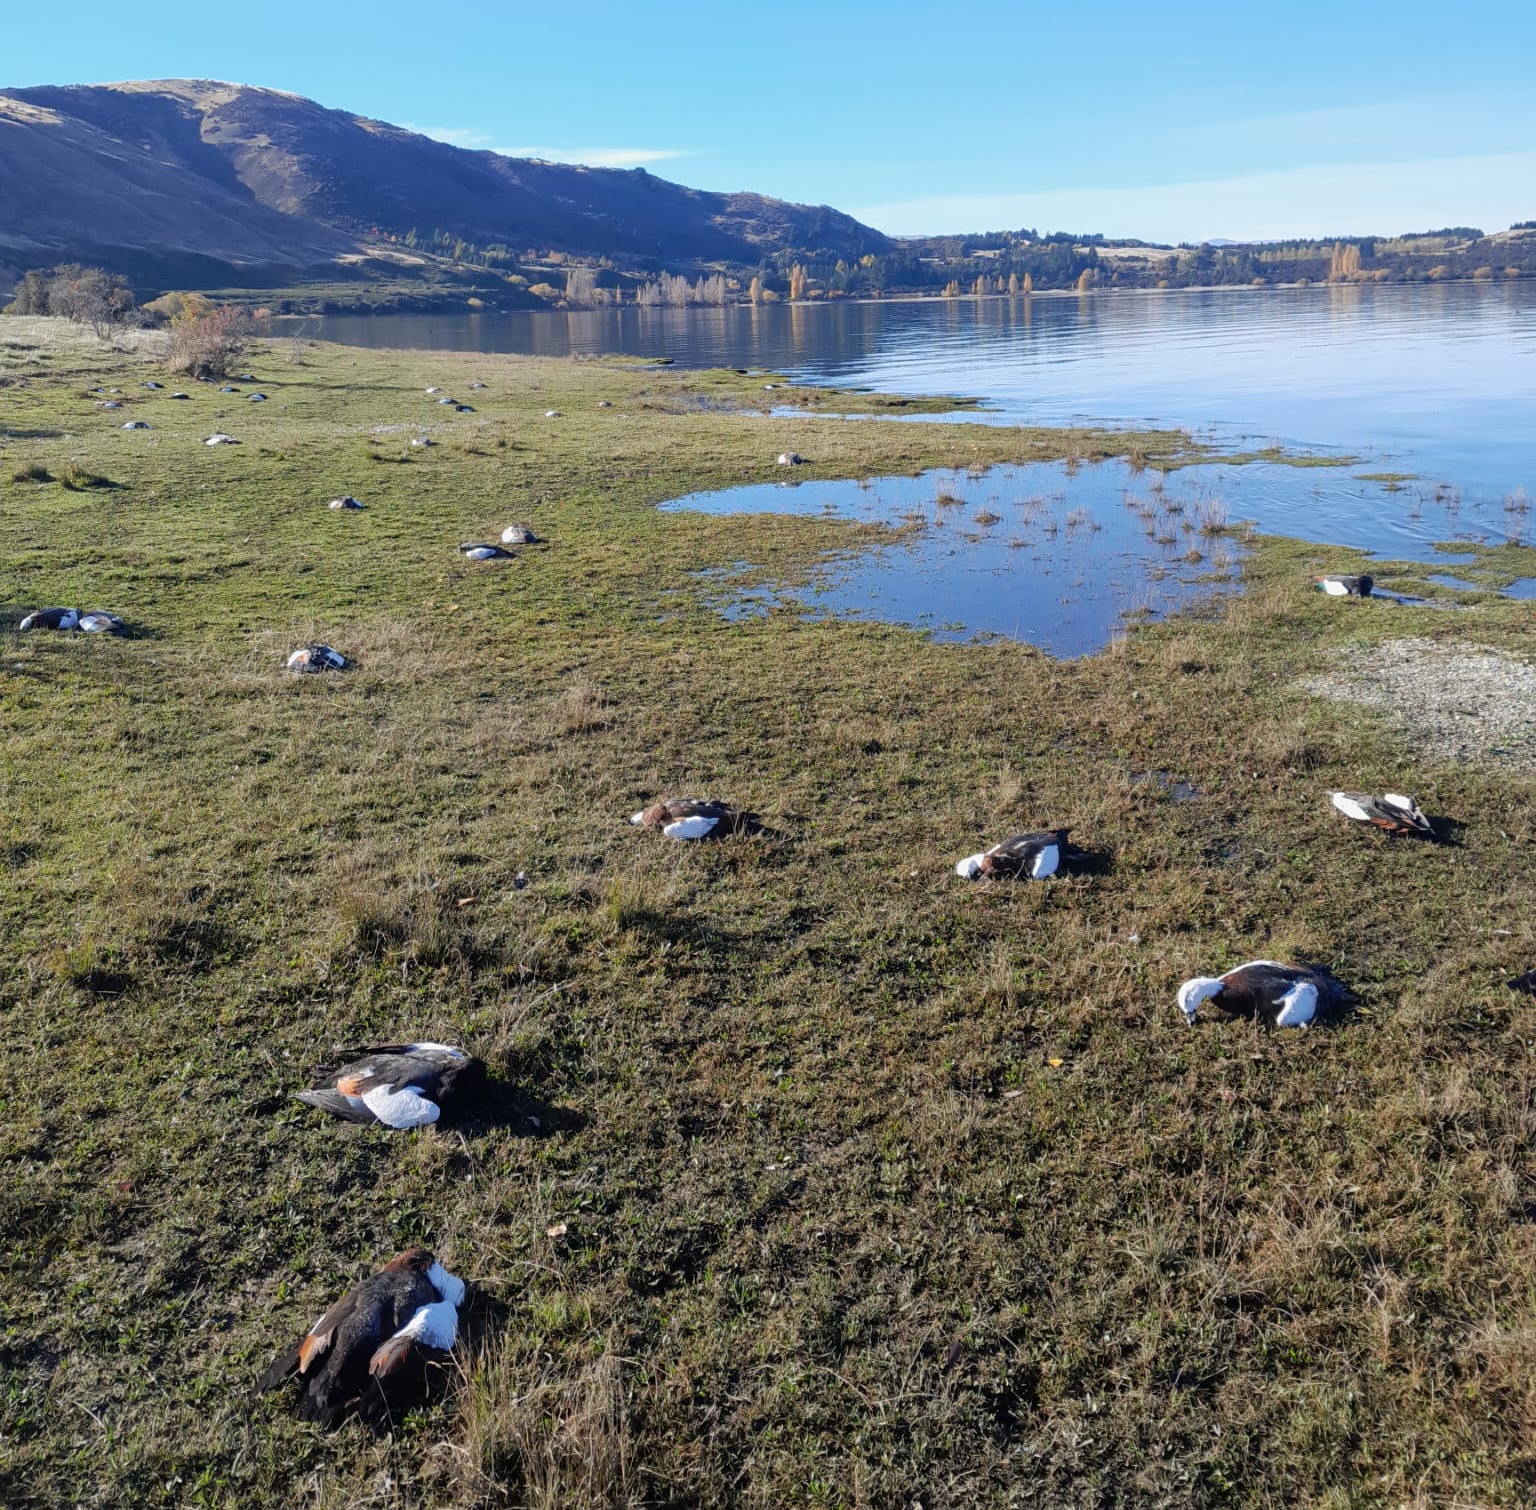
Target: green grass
[(877, 1187)]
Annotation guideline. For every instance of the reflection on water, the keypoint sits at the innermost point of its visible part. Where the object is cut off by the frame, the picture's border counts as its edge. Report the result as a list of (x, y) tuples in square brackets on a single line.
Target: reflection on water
[(1058, 554), (1439, 379)]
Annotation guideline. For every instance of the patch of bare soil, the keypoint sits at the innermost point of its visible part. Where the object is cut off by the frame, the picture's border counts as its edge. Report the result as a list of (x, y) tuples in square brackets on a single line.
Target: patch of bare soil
[(1461, 705)]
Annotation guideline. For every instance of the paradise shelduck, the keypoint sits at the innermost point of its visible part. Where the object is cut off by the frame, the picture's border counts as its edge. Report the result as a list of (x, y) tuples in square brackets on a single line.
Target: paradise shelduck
[(518, 534), (690, 818), (98, 621), (1280, 996), (1391, 811), (255, 398), (137, 424), (317, 658), (154, 385), (178, 395), (551, 414), (432, 390), (603, 403), (481, 550), (51, 618), (422, 440), (347, 502), (221, 439), (110, 403), (463, 409), (245, 377), (1033, 855), (369, 1353), (401, 1085), (451, 403), (477, 385), (228, 389), (791, 459), (1525, 983), (1339, 586)]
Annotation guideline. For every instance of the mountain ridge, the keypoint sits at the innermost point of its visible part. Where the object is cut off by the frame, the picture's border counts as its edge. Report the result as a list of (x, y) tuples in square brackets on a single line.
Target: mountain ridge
[(93, 170)]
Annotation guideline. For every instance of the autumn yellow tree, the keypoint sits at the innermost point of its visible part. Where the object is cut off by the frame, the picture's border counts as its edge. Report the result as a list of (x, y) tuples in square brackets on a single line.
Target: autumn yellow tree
[(798, 279), (755, 290), (1028, 284), (1013, 283), (1085, 280)]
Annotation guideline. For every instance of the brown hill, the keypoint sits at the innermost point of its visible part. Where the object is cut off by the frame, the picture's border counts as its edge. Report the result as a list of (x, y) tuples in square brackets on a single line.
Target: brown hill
[(187, 181)]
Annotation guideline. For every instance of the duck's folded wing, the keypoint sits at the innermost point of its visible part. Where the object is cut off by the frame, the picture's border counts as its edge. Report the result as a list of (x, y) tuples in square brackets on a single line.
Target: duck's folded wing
[(700, 826), (348, 1108), (310, 1348)]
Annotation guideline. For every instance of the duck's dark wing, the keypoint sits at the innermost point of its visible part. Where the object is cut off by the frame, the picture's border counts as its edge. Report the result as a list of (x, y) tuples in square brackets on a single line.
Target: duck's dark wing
[(380, 1306), (326, 1099), (312, 1347)]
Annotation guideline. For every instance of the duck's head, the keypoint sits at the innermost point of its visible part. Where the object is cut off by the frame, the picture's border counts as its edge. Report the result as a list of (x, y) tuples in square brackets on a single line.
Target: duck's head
[(1193, 992), (418, 1259)]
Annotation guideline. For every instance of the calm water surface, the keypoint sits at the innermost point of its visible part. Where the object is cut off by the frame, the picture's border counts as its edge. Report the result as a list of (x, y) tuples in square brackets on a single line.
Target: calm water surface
[(1436, 381)]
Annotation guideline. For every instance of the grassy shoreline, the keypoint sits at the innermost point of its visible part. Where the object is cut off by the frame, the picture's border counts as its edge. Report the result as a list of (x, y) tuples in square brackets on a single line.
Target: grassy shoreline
[(877, 1188)]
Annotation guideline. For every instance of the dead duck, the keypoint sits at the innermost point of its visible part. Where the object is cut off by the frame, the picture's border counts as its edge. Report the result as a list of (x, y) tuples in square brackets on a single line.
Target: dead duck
[(347, 501), (1279, 996), (152, 385), (477, 385), (98, 621), (401, 1085), (137, 424), (369, 1352), (518, 534), (483, 550), (449, 403), (255, 398), (432, 390), (1341, 586), (551, 414), (316, 657), (221, 439), (1392, 812), (692, 818), (179, 395), (1035, 856), (791, 459), (51, 618), (422, 440)]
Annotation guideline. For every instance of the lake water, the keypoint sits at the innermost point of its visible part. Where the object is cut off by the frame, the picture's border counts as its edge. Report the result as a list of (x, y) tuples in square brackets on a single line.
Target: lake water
[(1437, 381)]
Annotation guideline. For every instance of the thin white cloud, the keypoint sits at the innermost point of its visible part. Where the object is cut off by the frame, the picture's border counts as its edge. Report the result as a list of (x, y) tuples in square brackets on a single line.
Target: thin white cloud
[(593, 157), (597, 157), (1341, 199)]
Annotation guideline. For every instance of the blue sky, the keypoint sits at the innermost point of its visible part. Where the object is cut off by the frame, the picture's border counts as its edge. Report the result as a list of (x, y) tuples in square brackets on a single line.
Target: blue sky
[(1169, 121)]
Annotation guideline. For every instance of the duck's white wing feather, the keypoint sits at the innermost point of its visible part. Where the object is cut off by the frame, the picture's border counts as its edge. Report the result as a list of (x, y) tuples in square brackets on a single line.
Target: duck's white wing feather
[(698, 827), (404, 1108), (1298, 1006), (1350, 808), (1046, 862)]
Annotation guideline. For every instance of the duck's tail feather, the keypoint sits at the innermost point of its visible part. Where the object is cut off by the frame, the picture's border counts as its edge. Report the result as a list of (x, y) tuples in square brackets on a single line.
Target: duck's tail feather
[(338, 1105)]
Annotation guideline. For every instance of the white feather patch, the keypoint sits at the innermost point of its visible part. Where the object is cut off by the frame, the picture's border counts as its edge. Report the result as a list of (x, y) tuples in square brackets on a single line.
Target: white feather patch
[(970, 866), (435, 1048), (1298, 1006), (403, 1108), (1349, 807), (449, 1286), (1397, 799), (637, 819), (1335, 589), (698, 827), (1046, 862), (436, 1325)]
